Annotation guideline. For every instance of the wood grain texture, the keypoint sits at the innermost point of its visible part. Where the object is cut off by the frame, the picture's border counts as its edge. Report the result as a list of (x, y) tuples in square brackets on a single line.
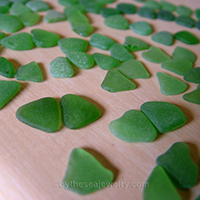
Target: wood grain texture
[(32, 162)]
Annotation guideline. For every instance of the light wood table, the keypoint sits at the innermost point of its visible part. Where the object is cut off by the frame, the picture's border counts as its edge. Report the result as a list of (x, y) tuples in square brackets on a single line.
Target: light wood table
[(33, 162)]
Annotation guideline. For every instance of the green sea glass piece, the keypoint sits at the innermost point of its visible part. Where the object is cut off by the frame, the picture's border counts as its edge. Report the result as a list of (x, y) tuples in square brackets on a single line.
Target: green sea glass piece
[(71, 8), (107, 12), (116, 22), (135, 44), (115, 81), (105, 62), (147, 12), (185, 21), (80, 59), (10, 23), (183, 10), (133, 69), (183, 53), (72, 44), (197, 13), (43, 38), (141, 28), (54, 16), (19, 41), (163, 37), (29, 19), (2, 35), (119, 52), (165, 15), (60, 67), (105, 1), (19, 1), (38, 6), (179, 166), (42, 114), (68, 2), (82, 29), (126, 8), (29, 72), (186, 37), (178, 66), (168, 6), (165, 116), (7, 91), (160, 186), (4, 9), (193, 97), (101, 41), (93, 7), (133, 126), (18, 9), (153, 4), (6, 68), (84, 169), (155, 55), (170, 85), (77, 112), (78, 17), (193, 75), (197, 24)]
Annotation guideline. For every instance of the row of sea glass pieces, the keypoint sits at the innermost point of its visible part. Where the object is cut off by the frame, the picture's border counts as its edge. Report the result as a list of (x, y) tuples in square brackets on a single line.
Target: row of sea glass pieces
[(85, 174)]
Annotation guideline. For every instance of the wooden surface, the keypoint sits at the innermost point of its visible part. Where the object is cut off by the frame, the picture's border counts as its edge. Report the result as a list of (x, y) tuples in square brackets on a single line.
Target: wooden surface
[(33, 162)]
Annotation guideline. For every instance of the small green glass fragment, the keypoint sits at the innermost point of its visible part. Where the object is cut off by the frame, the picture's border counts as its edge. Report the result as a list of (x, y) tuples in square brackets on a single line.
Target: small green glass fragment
[(163, 37), (168, 6), (185, 21), (133, 126), (183, 10), (60, 67), (179, 166), (105, 62), (160, 186), (178, 66), (105, 1), (101, 41), (107, 12), (2, 35), (4, 9), (135, 44), (141, 28), (71, 8), (6, 68), (170, 85), (152, 4), (38, 6), (155, 55), (77, 112), (72, 44), (29, 19), (7, 90), (197, 13), (67, 2), (116, 22), (78, 17), (19, 1), (54, 16), (80, 59), (193, 97), (183, 53), (93, 7), (82, 29), (18, 9), (197, 24), (147, 12), (165, 116), (19, 41), (84, 169), (42, 114), (29, 72), (165, 15), (10, 23), (126, 8), (186, 37), (193, 75), (133, 69), (43, 38), (114, 81), (119, 52)]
